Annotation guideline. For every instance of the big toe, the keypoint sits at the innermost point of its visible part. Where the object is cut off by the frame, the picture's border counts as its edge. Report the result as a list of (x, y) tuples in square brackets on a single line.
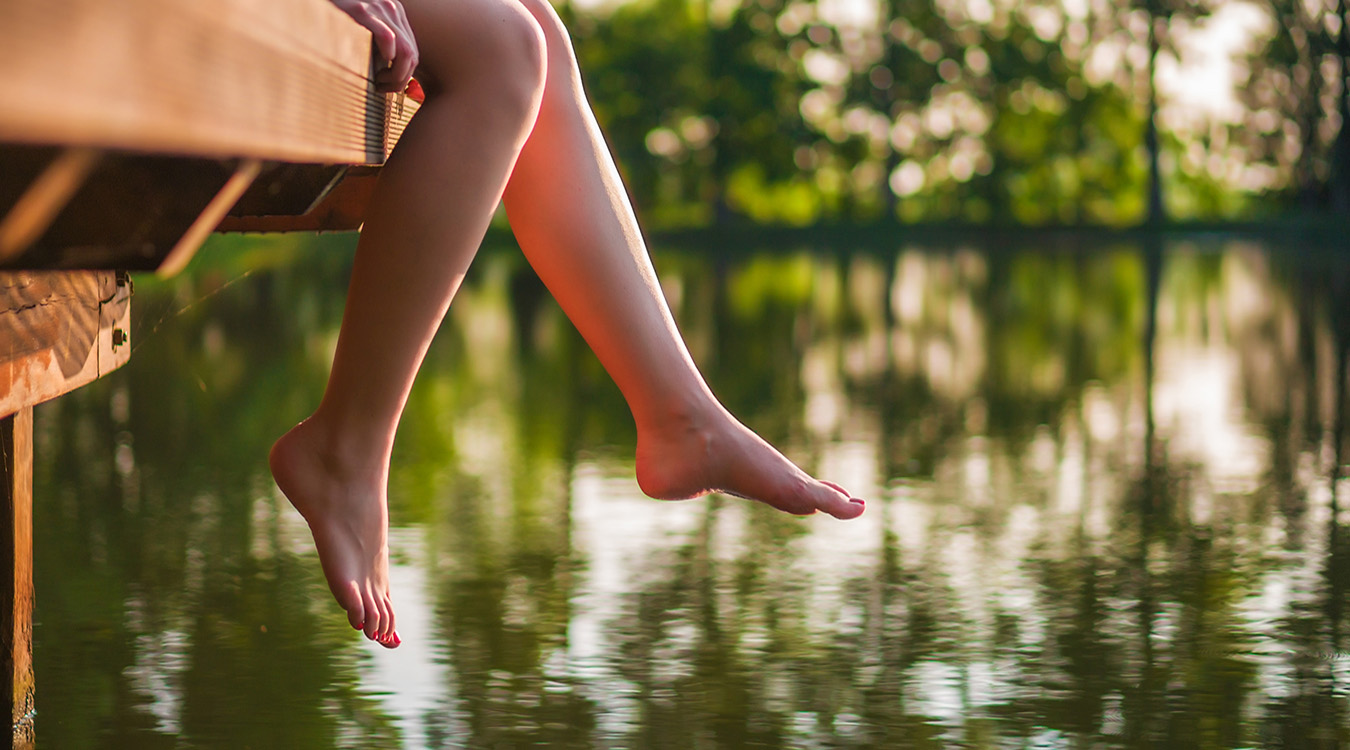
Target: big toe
[(837, 501), (350, 600)]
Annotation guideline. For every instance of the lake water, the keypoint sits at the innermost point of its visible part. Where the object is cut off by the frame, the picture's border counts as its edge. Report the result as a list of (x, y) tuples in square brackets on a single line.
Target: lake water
[(1105, 510)]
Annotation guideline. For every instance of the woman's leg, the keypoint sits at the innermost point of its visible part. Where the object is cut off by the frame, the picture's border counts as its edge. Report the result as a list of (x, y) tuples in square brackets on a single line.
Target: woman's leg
[(484, 67), (569, 210)]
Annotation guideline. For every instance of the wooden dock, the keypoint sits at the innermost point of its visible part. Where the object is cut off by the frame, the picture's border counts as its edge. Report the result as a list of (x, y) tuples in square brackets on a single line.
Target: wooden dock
[(129, 131)]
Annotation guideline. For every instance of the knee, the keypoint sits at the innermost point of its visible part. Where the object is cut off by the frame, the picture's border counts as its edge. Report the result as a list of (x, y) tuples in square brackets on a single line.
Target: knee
[(556, 36), (516, 63), (498, 55)]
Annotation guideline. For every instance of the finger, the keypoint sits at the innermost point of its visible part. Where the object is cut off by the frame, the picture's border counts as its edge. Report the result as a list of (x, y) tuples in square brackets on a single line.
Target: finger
[(387, 82), (386, 42), (404, 65), (408, 53), (402, 14)]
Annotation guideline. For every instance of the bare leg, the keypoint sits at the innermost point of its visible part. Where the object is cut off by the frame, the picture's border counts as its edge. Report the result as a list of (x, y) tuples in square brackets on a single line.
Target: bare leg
[(569, 210), (485, 65), (484, 68)]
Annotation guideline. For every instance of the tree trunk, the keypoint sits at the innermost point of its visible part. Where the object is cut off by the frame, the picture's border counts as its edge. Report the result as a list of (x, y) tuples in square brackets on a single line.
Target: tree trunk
[(1340, 154), (1156, 212)]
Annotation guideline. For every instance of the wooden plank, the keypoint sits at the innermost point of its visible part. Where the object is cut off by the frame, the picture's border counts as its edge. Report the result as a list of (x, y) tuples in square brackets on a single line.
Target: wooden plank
[(283, 81), (58, 331), (343, 208), (290, 189), (192, 239), (16, 585), (43, 200), (131, 211)]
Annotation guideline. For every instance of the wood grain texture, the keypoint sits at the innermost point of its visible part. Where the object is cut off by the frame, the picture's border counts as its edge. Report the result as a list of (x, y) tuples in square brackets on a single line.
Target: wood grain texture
[(16, 586), (59, 330), (283, 81)]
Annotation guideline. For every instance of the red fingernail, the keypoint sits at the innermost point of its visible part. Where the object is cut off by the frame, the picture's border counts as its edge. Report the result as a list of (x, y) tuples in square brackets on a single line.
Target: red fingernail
[(362, 626), (415, 91)]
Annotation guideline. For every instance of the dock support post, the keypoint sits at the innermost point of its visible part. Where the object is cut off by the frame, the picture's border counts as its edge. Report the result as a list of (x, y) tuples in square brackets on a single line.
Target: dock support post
[(16, 585)]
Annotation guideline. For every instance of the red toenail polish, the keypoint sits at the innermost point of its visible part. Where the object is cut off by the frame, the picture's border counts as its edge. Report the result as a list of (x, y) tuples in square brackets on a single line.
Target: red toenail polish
[(362, 626)]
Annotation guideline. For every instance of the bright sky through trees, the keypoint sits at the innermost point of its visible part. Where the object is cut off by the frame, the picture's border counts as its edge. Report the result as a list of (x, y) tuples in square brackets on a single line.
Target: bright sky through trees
[(793, 111)]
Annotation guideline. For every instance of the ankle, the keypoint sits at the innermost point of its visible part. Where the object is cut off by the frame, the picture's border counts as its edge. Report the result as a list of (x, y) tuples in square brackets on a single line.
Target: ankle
[(695, 414), (343, 454)]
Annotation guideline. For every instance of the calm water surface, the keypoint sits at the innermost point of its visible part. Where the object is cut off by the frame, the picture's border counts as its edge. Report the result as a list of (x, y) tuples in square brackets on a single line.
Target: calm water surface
[(1104, 511)]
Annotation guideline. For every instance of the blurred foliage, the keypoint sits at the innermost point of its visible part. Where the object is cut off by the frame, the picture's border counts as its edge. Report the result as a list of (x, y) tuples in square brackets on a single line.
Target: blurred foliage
[(800, 111)]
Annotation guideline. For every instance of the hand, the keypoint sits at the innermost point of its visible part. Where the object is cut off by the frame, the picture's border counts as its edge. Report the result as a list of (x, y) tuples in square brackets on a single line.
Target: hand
[(393, 36)]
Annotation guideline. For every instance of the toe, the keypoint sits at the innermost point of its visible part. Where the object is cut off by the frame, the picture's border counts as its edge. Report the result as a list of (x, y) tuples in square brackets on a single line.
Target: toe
[(836, 501), (373, 617), (386, 619), (351, 601)]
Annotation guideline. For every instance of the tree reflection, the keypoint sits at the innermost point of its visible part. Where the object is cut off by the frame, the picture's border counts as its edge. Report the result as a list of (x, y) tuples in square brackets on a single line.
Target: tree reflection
[(1105, 494), (169, 594)]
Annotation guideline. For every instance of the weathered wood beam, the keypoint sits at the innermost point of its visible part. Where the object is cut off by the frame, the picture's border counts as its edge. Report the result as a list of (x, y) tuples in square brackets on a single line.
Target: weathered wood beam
[(281, 81), (60, 330), (16, 573), (175, 96), (33, 212)]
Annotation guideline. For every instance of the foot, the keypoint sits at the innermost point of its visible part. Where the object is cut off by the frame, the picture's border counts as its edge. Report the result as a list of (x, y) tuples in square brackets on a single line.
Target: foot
[(348, 516), (689, 456)]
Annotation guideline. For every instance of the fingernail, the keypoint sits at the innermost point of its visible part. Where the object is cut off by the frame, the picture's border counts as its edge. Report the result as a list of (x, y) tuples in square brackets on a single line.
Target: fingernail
[(362, 626)]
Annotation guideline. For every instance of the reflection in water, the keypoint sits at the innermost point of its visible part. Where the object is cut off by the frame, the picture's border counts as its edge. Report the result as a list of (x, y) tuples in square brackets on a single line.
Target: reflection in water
[(1105, 509)]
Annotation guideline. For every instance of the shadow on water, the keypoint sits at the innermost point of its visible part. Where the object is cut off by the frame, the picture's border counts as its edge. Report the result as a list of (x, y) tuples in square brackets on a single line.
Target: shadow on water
[(1105, 491)]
